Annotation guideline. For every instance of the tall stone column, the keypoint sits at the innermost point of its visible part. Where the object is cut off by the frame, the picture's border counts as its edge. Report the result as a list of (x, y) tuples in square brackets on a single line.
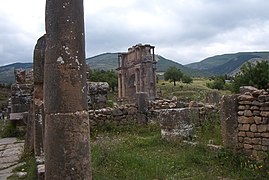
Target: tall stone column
[(38, 67), (67, 151)]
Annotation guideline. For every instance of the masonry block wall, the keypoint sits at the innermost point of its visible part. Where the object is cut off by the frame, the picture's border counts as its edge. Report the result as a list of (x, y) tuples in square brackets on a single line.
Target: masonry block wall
[(253, 122), (246, 126)]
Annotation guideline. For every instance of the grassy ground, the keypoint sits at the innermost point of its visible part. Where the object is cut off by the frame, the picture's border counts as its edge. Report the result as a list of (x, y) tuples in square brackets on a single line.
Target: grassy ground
[(141, 153), (195, 91)]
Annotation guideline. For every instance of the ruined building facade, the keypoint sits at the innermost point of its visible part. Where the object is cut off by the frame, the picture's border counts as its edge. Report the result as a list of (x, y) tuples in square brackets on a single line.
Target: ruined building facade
[(137, 72)]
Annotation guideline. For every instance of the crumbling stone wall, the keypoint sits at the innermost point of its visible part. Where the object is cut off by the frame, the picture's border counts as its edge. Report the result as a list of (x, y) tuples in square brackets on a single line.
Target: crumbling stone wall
[(21, 97), (122, 115), (97, 94), (176, 123), (246, 127)]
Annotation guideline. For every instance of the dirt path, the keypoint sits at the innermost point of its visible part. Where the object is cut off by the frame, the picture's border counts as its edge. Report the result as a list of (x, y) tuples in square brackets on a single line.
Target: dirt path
[(10, 151)]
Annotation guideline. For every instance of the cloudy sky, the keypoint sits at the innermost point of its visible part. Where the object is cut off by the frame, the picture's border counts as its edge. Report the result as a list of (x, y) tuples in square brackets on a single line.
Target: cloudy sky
[(181, 30)]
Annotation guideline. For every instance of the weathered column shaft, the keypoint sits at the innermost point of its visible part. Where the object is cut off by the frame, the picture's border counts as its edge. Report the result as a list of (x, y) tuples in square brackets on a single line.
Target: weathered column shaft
[(67, 124), (229, 108), (38, 67)]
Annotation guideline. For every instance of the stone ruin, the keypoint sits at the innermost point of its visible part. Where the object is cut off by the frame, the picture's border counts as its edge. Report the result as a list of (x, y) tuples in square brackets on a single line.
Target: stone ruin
[(21, 98), (97, 94), (137, 72), (245, 122)]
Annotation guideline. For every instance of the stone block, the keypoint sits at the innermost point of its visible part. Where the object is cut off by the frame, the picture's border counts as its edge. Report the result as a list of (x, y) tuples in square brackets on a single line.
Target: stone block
[(240, 113), (257, 147), (261, 128), (246, 98), (229, 120), (254, 108), (257, 119), (241, 107), (263, 98), (256, 103), (248, 113), (265, 120), (177, 123), (247, 89), (248, 146), (243, 127), (264, 135), (247, 140), (256, 113), (264, 108), (250, 134), (245, 102), (265, 141), (241, 134), (245, 120), (253, 128), (265, 113), (256, 141), (257, 134)]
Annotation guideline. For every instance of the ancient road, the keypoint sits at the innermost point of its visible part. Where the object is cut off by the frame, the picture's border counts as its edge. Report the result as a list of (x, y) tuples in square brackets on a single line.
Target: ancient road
[(10, 151)]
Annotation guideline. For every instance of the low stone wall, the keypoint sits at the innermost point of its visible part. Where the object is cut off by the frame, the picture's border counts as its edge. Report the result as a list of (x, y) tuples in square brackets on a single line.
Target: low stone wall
[(176, 123), (122, 115)]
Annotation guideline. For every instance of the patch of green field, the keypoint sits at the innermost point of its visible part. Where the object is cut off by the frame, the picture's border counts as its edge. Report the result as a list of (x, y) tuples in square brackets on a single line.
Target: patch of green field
[(141, 153)]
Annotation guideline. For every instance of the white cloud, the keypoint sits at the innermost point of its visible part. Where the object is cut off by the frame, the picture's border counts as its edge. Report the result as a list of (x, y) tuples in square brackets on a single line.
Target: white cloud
[(181, 30)]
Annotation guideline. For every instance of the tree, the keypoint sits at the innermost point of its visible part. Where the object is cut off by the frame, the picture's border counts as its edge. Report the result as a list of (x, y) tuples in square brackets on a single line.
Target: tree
[(187, 79), (218, 83), (109, 76), (173, 74), (251, 74)]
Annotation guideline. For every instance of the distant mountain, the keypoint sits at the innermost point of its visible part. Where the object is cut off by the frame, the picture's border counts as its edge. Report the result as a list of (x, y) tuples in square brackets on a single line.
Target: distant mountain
[(7, 72), (220, 64), (227, 63), (108, 61)]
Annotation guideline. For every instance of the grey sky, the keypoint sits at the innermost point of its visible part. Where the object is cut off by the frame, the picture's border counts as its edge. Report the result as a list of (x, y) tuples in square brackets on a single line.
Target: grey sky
[(182, 30)]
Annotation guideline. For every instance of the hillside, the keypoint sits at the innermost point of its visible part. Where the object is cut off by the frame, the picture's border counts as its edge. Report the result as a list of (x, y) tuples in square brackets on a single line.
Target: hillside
[(226, 63), (7, 72), (109, 61)]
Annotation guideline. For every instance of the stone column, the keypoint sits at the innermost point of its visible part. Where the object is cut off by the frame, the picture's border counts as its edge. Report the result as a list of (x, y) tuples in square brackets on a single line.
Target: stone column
[(38, 67), (229, 108), (142, 107), (67, 150)]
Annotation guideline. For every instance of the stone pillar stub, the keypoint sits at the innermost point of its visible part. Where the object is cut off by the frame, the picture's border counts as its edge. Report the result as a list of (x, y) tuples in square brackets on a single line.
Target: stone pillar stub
[(67, 152), (142, 107), (229, 123), (178, 124)]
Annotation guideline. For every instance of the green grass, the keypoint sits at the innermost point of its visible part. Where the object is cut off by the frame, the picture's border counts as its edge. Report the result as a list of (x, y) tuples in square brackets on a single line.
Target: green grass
[(195, 91), (29, 166), (141, 153)]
